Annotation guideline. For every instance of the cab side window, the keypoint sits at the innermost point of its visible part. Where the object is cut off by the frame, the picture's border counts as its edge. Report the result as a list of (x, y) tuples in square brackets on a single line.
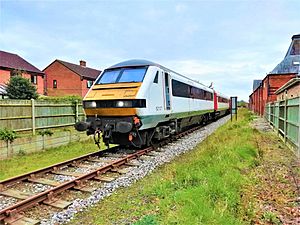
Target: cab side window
[(156, 78)]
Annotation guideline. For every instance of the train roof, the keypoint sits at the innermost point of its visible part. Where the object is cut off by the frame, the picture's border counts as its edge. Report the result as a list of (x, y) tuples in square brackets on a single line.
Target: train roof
[(143, 62)]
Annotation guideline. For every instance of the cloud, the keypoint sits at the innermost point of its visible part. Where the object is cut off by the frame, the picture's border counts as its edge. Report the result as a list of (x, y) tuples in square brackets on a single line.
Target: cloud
[(180, 8), (233, 78)]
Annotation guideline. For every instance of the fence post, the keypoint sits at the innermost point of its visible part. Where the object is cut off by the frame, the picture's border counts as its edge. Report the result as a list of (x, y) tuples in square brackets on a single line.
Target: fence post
[(76, 111), (285, 117), (33, 116), (299, 127)]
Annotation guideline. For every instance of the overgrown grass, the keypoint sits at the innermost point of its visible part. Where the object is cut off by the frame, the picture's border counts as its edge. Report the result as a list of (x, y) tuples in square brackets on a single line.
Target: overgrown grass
[(25, 163), (200, 187)]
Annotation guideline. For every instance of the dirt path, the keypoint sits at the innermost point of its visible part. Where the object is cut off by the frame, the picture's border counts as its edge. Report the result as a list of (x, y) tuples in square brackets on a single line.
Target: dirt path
[(273, 196)]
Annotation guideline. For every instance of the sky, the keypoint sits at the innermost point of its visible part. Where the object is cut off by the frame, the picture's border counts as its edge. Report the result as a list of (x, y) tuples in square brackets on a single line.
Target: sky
[(229, 43)]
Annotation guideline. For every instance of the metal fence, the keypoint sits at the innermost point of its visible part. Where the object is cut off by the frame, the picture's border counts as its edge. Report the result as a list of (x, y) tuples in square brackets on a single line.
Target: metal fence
[(284, 116), (31, 115)]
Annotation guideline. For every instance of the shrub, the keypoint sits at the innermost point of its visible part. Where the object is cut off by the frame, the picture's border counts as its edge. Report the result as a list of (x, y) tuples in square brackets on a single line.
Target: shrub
[(45, 132), (7, 135), (20, 88)]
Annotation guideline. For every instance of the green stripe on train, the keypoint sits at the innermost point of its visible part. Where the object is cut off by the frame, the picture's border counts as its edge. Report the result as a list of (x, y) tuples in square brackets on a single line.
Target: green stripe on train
[(153, 120)]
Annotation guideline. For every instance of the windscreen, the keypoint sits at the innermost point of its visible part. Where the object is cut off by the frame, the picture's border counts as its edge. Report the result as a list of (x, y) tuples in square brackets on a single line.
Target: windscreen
[(122, 75)]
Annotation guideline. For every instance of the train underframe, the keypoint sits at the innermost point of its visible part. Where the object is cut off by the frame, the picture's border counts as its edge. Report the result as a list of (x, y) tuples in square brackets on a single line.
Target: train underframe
[(125, 130)]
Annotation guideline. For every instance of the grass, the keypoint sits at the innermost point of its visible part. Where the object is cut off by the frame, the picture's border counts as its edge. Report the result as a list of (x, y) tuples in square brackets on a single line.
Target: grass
[(25, 163), (201, 187)]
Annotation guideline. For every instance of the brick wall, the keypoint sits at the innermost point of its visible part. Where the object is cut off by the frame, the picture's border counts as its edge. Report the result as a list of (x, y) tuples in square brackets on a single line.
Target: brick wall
[(5, 76), (266, 92), (292, 92), (68, 82)]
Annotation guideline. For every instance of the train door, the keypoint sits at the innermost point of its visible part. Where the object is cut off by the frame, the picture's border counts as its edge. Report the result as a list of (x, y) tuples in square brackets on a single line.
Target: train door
[(215, 101), (167, 91)]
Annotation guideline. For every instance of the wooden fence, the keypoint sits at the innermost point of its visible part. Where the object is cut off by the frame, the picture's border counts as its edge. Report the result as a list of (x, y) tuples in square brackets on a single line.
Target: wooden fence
[(284, 116), (31, 115)]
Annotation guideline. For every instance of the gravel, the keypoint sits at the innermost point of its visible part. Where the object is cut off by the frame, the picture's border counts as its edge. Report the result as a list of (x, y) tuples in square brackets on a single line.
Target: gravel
[(63, 178), (167, 153), (6, 201)]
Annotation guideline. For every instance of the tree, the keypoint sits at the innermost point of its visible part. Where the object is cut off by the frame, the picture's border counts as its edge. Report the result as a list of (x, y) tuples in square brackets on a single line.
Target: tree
[(20, 88)]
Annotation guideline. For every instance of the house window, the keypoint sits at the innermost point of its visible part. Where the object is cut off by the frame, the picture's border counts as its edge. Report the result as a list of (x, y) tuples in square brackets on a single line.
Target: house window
[(33, 79), (54, 83), (89, 83)]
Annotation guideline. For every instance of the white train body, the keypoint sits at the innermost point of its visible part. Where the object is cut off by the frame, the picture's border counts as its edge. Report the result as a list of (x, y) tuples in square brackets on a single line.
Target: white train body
[(138, 101)]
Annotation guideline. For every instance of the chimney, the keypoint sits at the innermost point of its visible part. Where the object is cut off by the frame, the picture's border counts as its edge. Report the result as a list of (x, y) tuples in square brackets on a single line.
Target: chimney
[(82, 63)]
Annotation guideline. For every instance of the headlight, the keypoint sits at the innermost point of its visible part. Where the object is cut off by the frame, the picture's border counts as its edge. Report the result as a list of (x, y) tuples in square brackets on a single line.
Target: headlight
[(124, 104), (120, 104), (92, 104)]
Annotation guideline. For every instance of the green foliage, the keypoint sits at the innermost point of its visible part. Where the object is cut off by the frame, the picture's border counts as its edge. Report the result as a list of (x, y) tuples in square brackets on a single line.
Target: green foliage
[(21, 152), (147, 220), (271, 218), (45, 132), (20, 88), (7, 135), (22, 164), (71, 98)]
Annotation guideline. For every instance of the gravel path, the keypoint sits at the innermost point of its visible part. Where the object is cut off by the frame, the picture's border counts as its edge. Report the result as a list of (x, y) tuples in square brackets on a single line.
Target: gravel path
[(167, 153)]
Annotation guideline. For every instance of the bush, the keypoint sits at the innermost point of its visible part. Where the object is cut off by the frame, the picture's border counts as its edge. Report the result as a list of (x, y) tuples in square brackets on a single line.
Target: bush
[(45, 132), (20, 88), (7, 135)]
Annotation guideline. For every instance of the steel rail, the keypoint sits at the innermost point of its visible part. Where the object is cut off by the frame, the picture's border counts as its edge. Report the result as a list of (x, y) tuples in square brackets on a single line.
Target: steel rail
[(47, 169), (31, 201), (48, 195)]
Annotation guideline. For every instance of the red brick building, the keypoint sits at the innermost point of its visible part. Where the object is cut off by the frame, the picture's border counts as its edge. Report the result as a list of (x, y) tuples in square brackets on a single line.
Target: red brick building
[(286, 70), (289, 90), (64, 78), (10, 62), (265, 92)]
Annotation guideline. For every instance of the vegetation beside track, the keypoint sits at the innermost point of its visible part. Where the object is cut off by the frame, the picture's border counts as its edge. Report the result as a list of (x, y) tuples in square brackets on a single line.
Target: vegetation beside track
[(26, 163), (201, 187)]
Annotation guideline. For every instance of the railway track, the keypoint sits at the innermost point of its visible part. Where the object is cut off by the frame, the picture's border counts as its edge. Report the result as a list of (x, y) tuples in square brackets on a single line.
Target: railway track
[(73, 174)]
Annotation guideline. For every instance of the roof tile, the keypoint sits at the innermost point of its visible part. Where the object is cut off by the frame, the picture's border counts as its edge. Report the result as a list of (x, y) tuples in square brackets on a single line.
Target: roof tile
[(81, 70), (13, 61)]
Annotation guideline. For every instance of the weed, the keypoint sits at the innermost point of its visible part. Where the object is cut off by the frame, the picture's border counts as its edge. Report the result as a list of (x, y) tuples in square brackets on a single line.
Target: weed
[(21, 152), (147, 220), (271, 218)]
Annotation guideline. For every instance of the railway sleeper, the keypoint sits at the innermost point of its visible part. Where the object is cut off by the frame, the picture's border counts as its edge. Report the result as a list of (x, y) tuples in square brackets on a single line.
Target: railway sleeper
[(18, 219)]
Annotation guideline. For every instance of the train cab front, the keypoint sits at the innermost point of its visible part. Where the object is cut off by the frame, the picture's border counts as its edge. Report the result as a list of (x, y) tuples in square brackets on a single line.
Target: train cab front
[(111, 107)]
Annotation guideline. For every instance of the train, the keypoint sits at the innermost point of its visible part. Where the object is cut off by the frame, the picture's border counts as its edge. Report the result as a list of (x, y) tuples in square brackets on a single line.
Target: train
[(139, 102)]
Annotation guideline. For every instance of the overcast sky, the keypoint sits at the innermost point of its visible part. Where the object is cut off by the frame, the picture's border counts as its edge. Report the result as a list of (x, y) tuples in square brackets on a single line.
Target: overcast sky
[(229, 43)]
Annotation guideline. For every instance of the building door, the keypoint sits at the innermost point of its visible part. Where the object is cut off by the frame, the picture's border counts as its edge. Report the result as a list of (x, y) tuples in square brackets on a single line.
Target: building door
[(167, 92)]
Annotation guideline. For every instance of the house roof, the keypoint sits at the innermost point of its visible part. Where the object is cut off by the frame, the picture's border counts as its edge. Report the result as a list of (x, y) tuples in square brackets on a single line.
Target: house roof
[(83, 71), (256, 84), (13, 61)]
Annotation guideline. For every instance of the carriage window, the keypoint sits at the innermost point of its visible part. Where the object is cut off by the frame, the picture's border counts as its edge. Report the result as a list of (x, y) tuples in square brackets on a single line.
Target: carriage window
[(180, 89), (156, 78)]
